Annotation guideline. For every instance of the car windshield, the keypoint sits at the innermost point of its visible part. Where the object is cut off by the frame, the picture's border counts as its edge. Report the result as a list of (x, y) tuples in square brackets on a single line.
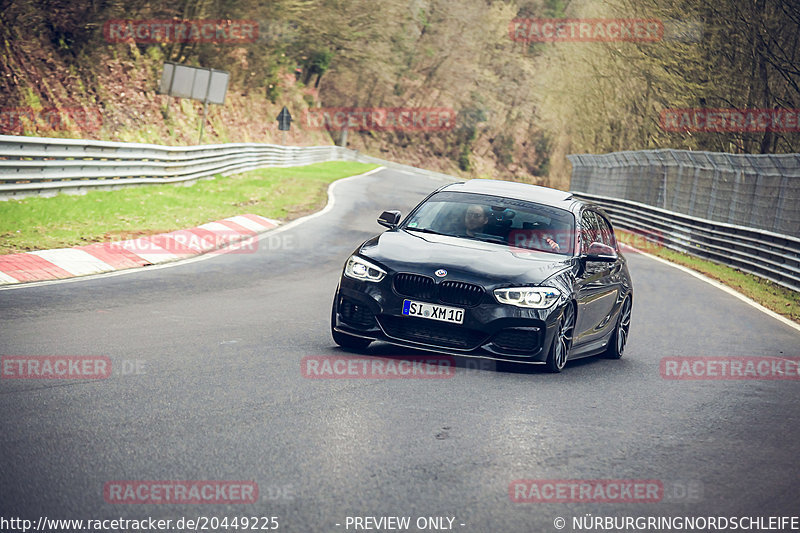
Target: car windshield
[(517, 223)]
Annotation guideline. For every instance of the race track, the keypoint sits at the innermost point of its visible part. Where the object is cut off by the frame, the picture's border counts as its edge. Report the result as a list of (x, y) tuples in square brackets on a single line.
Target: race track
[(219, 395)]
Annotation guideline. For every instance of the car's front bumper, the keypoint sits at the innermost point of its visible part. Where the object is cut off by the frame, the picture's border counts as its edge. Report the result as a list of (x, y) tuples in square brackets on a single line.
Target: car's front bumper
[(490, 330)]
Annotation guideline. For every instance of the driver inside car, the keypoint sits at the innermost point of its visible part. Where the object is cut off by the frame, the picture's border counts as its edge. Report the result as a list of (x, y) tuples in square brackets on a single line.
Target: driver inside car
[(475, 219)]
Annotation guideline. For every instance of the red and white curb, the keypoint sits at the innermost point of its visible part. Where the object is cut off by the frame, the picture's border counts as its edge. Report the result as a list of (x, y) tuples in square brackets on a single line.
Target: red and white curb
[(119, 255)]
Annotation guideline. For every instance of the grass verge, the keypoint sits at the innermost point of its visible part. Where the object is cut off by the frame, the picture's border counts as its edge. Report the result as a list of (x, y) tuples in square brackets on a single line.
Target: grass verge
[(72, 220), (783, 301)]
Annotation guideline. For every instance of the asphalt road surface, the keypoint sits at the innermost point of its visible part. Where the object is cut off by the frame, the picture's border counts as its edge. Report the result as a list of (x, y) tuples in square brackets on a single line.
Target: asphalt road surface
[(207, 385)]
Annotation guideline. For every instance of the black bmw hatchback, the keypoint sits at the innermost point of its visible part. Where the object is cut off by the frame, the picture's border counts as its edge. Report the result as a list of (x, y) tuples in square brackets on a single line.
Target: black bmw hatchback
[(491, 269)]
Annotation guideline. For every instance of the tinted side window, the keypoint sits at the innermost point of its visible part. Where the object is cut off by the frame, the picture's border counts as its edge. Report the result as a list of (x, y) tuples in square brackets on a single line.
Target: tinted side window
[(606, 233), (589, 231)]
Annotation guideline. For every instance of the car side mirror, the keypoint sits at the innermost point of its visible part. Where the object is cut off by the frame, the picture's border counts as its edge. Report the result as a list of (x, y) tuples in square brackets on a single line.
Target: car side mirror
[(389, 219), (600, 252)]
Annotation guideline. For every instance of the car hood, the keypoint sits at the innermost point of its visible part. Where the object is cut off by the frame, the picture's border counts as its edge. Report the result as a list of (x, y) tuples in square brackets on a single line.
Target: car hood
[(463, 259)]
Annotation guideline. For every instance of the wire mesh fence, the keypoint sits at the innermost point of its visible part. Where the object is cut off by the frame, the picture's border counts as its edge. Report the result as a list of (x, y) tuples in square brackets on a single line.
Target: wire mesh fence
[(739, 210), (755, 191)]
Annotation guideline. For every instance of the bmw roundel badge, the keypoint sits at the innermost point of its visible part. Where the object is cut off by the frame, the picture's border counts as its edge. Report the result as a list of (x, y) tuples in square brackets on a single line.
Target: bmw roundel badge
[(441, 272)]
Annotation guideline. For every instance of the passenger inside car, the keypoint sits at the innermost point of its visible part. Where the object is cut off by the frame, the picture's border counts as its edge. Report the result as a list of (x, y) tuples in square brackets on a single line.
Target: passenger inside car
[(539, 235)]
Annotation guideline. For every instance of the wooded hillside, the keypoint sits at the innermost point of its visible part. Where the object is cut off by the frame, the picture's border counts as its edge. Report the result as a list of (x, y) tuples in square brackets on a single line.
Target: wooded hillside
[(520, 106)]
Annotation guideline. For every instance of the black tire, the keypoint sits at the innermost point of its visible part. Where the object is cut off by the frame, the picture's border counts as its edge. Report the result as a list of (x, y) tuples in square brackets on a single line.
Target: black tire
[(616, 345), (343, 339), (562, 341)]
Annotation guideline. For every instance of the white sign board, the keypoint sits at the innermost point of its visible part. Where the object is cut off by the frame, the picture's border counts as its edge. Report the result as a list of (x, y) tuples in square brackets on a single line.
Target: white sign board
[(204, 84)]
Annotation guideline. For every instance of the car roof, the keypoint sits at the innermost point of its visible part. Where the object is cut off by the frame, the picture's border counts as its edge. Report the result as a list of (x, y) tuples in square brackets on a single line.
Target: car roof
[(515, 190)]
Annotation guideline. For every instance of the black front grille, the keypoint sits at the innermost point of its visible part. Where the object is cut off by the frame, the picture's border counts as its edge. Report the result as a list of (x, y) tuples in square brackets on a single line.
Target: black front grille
[(431, 332), (518, 339), (356, 314), (460, 293), (450, 292), (415, 286)]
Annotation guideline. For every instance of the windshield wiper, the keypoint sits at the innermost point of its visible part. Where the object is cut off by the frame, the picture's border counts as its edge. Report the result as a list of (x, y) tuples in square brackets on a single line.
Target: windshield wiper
[(482, 238), (487, 238), (427, 230), (498, 240)]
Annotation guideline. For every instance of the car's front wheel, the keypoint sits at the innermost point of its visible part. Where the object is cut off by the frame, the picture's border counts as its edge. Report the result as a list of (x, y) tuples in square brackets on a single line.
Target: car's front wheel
[(616, 346), (343, 339), (562, 342)]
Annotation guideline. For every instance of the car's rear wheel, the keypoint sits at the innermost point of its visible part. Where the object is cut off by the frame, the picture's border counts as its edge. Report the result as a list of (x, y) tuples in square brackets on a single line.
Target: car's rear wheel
[(619, 338), (562, 342), (343, 339)]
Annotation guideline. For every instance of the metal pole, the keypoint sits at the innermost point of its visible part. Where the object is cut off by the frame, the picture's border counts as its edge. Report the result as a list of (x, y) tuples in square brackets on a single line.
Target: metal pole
[(171, 83), (203, 122), (664, 186), (205, 102)]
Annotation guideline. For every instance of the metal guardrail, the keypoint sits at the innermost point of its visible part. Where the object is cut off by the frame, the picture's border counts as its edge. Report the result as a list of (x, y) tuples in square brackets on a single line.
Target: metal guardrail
[(769, 255), (45, 166)]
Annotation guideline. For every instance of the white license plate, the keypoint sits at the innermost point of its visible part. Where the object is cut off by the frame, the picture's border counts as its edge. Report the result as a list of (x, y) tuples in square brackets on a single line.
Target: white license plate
[(454, 315)]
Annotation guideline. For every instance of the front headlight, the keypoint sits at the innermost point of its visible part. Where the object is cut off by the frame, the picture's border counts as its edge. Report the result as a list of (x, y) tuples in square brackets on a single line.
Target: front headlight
[(529, 297), (358, 268)]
